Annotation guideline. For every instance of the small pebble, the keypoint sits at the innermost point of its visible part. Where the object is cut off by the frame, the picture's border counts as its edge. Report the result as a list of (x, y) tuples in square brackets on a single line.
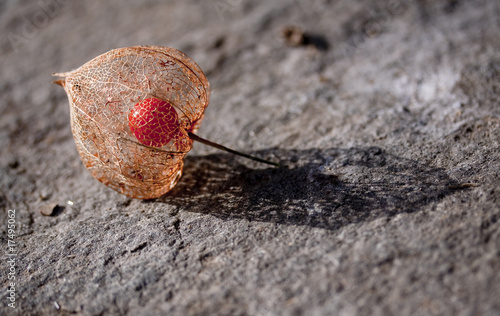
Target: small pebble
[(293, 35), (51, 209)]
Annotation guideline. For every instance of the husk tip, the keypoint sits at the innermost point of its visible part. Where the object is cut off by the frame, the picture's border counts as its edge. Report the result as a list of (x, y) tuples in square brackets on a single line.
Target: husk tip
[(61, 82)]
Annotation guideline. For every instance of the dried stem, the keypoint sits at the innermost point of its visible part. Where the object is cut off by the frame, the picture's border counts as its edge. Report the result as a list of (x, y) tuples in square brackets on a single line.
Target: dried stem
[(218, 146)]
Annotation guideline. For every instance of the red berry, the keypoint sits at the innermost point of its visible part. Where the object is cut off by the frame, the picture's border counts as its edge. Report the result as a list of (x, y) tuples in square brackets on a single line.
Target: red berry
[(154, 122)]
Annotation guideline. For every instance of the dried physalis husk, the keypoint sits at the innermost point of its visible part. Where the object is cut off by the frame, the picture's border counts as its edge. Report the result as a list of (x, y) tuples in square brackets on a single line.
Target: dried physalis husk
[(132, 110)]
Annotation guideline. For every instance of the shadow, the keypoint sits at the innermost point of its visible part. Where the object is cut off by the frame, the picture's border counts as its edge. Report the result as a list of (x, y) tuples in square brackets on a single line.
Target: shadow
[(327, 188), (317, 41), (58, 210), (294, 36)]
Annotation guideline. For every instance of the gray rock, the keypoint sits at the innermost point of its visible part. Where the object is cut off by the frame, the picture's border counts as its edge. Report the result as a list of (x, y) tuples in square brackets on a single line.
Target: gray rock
[(385, 117)]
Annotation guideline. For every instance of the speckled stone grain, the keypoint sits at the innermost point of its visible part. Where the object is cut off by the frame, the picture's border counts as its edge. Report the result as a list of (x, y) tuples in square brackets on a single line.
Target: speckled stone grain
[(385, 117)]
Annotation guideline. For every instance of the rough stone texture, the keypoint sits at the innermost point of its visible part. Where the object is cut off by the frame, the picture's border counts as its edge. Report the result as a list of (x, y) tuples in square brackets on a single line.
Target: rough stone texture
[(387, 120)]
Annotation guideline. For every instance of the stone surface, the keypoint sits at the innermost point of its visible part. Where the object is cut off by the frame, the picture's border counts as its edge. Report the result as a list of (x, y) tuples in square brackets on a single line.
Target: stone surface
[(386, 119)]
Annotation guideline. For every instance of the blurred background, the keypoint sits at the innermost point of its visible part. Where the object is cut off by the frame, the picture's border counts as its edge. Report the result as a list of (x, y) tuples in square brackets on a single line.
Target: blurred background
[(384, 112)]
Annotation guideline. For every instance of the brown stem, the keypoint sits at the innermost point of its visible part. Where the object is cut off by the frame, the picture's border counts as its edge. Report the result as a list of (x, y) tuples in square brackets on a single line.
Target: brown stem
[(218, 146)]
